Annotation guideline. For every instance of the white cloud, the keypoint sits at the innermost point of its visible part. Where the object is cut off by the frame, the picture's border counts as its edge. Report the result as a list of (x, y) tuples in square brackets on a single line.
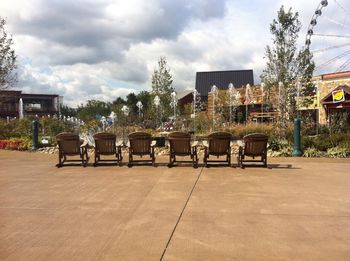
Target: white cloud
[(104, 49)]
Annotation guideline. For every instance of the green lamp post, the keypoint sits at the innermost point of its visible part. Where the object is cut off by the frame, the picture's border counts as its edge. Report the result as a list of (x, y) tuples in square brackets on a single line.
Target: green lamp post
[(297, 148), (35, 134)]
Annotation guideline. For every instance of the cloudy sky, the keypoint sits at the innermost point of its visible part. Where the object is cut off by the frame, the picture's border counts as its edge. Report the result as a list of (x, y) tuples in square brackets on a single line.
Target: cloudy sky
[(104, 49)]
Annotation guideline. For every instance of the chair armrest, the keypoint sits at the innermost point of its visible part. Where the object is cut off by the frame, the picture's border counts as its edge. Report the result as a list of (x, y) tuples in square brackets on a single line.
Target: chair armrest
[(205, 143), (194, 144), (153, 143)]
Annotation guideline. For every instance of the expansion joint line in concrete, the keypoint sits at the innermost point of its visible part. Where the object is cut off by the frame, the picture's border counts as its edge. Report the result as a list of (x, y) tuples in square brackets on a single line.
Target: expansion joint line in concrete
[(183, 210)]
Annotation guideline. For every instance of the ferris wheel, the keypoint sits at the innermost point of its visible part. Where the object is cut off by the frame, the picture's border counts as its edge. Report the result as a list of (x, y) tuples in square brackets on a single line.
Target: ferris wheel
[(328, 36)]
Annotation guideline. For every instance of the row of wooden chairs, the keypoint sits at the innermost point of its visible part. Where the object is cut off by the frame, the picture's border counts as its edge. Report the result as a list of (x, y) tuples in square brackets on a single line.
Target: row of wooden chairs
[(142, 144)]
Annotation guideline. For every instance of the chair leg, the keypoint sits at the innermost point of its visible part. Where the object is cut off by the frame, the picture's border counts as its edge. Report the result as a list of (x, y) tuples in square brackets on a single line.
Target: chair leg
[(195, 160), (59, 161), (170, 161), (95, 163), (265, 161), (153, 159), (130, 160)]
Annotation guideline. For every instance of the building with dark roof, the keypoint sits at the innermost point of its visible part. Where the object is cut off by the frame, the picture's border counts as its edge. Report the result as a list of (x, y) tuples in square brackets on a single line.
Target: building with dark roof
[(32, 104), (205, 80)]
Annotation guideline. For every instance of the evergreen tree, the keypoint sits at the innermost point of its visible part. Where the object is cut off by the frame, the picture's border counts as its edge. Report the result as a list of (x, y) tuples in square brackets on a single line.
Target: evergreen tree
[(7, 58), (287, 65), (162, 86)]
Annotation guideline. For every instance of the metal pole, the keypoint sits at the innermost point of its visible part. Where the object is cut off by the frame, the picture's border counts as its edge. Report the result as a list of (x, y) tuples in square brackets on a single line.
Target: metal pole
[(35, 134), (297, 148)]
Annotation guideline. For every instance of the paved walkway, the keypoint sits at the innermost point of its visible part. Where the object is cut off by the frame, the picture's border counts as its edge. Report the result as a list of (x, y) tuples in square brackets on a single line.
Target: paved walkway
[(299, 211)]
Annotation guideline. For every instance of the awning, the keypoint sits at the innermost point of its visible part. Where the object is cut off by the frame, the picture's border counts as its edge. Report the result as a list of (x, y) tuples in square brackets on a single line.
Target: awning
[(338, 98)]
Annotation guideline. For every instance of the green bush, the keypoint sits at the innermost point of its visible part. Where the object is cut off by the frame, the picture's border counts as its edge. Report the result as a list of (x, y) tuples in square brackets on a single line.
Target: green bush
[(313, 152), (338, 152)]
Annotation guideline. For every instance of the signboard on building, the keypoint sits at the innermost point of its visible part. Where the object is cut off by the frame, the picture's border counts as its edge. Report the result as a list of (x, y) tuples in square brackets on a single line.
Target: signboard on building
[(338, 96)]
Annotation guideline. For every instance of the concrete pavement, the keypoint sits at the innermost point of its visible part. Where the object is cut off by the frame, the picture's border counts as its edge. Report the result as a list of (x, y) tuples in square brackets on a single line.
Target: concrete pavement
[(297, 210)]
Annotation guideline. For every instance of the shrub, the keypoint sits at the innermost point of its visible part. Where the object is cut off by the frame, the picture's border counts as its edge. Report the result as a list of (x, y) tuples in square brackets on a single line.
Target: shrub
[(338, 152), (313, 152), (15, 144)]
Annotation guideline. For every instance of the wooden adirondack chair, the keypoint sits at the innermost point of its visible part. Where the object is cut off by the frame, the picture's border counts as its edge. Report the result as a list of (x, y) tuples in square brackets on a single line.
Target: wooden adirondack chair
[(141, 144), (255, 145), (105, 144), (218, 144), (69, 144), (180, 145)]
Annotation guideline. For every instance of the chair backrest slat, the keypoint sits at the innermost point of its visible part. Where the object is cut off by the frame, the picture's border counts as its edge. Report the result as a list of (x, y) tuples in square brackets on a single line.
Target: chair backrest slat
[(255, 144), (180, 143), (105, 142), (219, 142), (68, 143), (140, 142)]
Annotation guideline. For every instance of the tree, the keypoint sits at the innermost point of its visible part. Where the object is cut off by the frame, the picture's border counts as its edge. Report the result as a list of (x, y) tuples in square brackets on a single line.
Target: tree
[(131, 101), (286, 66), (93, 110), (68, 111), (7, 58), (162, 86), (146, 99)]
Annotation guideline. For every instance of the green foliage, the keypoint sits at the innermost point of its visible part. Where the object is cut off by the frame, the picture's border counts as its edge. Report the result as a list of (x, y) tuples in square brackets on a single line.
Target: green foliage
[(201, 124), (90, 125), (68, 111), (286, 151), (131, 100), (325, 142), (274, 144), (339, 121), (51, 127), (338, 152), (22, 129), (312, 152), (17, 128), (7, 58), (93, 109), (286, 64)]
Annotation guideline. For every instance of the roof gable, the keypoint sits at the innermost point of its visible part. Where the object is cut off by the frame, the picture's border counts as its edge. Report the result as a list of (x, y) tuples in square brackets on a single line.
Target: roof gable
[(205, 80), (329, 99)]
